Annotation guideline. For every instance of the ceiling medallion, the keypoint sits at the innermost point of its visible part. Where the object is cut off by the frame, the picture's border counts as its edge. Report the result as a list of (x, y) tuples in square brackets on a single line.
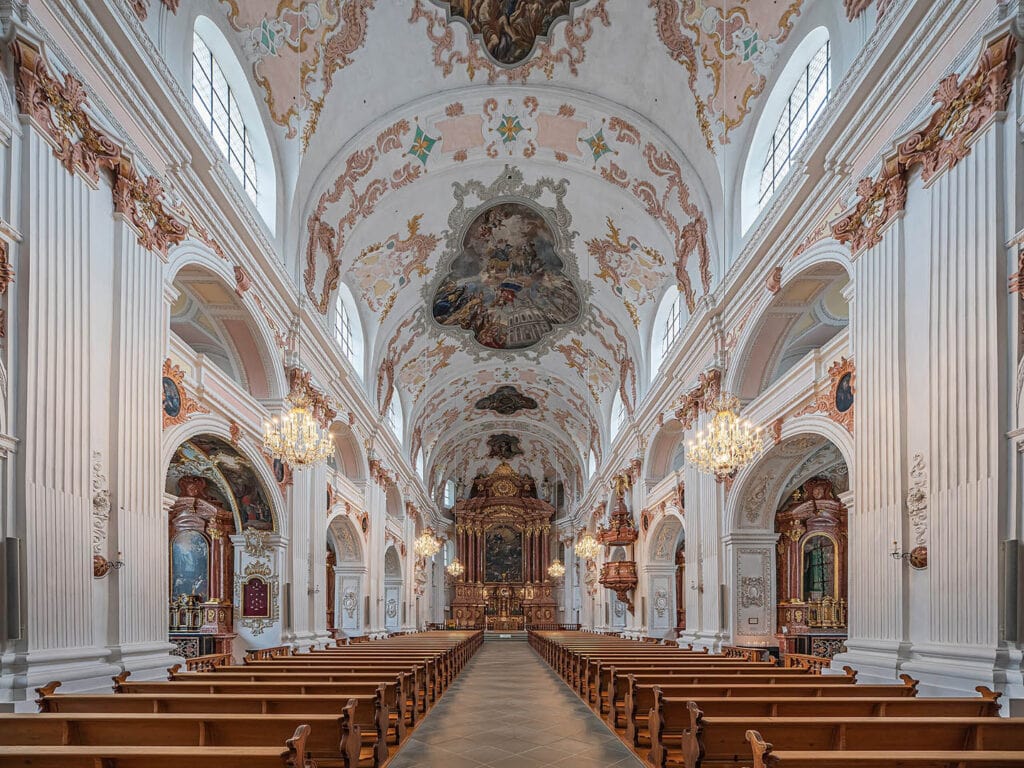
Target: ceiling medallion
[(508, 278), (509, 30), (506, 400)]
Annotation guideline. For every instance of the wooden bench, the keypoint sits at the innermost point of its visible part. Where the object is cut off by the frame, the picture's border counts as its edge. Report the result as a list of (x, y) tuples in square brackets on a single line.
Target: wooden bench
[(399, 692), (614, 687), (369, 713), (674, 724), (765, 756), (719, 742), (639, 699), (178, 756)]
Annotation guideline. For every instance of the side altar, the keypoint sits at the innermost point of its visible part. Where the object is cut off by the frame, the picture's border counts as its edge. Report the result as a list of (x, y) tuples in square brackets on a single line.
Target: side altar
[(503, 536)]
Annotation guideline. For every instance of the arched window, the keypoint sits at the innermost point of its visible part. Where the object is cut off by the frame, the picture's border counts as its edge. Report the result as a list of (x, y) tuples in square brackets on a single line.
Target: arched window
[(797, 99), (668, 323), (449, 494), (227, 108), (421, 465), (218, 108), (395, 417), (805, 103), (591, 464), (347, 330), (618, 414)]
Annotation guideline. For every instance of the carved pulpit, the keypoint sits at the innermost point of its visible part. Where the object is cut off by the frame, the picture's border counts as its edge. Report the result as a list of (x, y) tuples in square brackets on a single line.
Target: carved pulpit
[(503, 536)]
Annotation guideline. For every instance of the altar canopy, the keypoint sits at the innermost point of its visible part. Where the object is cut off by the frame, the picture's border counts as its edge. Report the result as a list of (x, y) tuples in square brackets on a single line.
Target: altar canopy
[(503, 535)]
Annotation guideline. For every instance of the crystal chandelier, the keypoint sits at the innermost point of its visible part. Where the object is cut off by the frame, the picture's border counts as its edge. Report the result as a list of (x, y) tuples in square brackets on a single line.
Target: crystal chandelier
[(587, 547), (728, 443), (455, 568), (427, 544), (556, 570), (296, 439)]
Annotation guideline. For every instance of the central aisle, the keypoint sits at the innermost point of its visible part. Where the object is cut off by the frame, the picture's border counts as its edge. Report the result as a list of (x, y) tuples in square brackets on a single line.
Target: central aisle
[(508, 709)]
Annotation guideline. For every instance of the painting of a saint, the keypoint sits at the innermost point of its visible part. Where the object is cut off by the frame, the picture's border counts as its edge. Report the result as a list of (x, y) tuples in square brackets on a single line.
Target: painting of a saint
[(172, 397), (504, 554), (508, 285), (508, 29), (190, 565), (844, 393)]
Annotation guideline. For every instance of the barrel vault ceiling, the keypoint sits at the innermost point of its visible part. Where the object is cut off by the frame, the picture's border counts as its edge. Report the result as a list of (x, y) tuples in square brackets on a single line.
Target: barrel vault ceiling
[(506, 194)]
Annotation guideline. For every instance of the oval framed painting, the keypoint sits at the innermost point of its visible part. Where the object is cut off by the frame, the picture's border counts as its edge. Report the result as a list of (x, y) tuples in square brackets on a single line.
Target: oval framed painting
[(844, 392), (172, 397)]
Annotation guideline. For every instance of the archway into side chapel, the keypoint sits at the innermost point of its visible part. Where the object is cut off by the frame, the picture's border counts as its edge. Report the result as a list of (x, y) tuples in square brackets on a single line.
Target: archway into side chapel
[(787, 544), (222, 532), (346, 577)]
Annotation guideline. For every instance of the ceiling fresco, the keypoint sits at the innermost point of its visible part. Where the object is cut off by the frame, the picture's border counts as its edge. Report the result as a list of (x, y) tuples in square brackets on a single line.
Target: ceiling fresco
[(506, 401), (507, 284), (509, 211), (508, 29)]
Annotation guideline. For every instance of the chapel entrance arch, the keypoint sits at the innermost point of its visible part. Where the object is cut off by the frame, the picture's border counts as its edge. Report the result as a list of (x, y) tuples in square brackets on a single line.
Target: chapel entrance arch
[(220, 505), (787, 548)]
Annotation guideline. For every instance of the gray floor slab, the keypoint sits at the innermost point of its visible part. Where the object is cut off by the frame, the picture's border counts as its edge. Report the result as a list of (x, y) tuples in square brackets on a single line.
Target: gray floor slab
[(508, 709)]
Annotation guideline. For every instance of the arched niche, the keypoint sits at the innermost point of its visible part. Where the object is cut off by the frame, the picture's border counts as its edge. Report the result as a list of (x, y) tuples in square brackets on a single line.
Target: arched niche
[(393, 501), (233, 481), (808, 310), (208, 316), (218, 494), (666, 598), (346, 576), (757, 547), (394, 606), (666, 451), (349, 458)]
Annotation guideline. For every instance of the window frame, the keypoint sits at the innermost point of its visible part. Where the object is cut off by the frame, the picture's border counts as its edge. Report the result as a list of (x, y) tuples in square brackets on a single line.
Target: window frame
[(221, 115), (775, 161)]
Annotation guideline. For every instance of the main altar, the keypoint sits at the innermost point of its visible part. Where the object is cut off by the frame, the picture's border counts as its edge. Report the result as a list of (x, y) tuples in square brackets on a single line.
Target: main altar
[(503, 537)]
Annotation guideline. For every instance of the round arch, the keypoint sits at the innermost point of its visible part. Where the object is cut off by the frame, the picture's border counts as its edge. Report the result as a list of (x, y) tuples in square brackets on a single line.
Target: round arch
[(349, 455), (216, 427), (754, 485), (819, 267), (345, 539), (193, 253), (664, 538), (662, 451)]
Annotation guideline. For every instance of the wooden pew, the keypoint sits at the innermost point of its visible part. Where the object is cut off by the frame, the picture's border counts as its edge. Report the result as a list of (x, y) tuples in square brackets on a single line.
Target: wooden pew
[(765, 756), (609, 686), (370, 713), (720, 742), (178, 756), (639, 699), (675, 724), (398, 694), (425, 679), (597, 674)]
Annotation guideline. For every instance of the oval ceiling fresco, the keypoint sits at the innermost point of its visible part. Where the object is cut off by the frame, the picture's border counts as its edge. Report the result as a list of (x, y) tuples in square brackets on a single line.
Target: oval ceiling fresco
[(507, 284), (509, 29)]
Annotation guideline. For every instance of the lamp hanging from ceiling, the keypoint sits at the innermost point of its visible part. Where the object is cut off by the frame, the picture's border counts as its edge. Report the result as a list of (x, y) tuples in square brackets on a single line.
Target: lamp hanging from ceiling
[(427, 544), (455, 568), (728, 443), (587, 547), (556, 570), (296, 438)]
